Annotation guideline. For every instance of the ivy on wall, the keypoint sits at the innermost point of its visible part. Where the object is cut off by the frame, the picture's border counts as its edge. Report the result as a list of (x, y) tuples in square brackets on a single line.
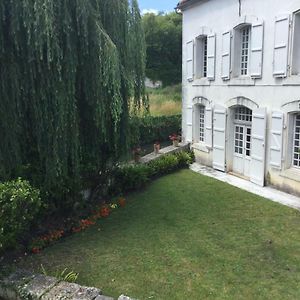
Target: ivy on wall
[(67, 71)]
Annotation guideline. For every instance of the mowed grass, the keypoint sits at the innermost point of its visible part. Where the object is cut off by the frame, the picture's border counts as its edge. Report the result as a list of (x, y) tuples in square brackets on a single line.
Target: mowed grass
[(165, 101), (187, 236)]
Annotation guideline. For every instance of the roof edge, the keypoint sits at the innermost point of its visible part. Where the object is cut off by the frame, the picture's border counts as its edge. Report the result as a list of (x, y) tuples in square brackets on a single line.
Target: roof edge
[(186, 3)]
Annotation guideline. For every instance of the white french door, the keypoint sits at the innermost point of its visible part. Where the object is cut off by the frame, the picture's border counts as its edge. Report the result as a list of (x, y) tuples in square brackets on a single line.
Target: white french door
[(242, 149)]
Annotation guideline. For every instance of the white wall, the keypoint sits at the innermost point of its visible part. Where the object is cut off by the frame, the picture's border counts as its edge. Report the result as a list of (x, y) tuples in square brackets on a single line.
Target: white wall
[(223, 15)]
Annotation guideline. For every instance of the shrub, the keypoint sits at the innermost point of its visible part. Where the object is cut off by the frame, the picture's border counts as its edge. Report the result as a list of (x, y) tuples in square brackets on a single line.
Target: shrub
[(185, 159), (150, 129), (132, 177), (19, 205), (164, 165)]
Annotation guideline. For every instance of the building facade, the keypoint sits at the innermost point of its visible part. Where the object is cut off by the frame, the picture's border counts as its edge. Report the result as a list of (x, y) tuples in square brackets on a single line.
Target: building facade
[(241, 87)]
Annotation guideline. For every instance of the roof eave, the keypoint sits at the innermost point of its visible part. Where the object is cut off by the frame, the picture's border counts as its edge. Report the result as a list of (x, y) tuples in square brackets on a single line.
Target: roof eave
[(186, 4)]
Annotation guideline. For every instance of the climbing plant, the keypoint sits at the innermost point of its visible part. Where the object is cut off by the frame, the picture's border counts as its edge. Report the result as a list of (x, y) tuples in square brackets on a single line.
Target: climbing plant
[(68, 69)]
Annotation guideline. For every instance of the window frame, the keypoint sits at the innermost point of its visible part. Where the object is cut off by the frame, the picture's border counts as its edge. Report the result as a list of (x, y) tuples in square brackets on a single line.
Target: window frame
[(295, 54), (237, 51), (296, 116), (199, 114), (201, 56)]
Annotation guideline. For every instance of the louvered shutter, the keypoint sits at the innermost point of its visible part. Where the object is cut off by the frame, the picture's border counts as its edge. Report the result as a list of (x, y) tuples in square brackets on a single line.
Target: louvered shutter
[(280, 63), (258, 150), (276, 140), (208, 126), (219, 131), (226, 49), (190, 60), (211, 56), (189, 124), (257, 39)]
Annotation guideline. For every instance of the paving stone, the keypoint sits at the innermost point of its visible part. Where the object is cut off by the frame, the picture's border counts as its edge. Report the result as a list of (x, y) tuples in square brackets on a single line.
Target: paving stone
[(86, 293), (62, 290), (10, 287), (101, 297), (40, 285)]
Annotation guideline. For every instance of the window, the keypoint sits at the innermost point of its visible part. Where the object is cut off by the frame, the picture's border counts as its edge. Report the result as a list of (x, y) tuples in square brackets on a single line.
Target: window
[(296, 45), (241, 59), (201, 57), (296, 142), (245, 38), (201, 122), (243, 113)]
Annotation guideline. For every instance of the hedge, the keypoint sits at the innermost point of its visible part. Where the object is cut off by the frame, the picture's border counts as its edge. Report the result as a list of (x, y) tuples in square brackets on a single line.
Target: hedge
[(150, 129)]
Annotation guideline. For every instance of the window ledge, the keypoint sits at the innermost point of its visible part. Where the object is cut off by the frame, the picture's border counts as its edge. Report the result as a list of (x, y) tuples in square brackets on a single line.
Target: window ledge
[(201, 82), (201, 147), (241, 81), (292, 174), (292, 80)]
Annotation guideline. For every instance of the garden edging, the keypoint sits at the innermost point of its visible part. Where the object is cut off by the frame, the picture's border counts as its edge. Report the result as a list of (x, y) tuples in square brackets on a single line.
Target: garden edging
[(23, 285)]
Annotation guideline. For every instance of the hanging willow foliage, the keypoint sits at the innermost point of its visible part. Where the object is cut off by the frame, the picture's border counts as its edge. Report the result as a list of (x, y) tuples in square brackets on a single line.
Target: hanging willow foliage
[(67, 71)]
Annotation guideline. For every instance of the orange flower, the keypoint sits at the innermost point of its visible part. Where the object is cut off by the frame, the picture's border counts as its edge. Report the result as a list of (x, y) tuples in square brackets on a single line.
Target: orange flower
[(122, 202)]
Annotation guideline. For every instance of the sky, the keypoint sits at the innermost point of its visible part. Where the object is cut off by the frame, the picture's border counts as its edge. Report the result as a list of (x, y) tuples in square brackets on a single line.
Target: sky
[(157, 5)]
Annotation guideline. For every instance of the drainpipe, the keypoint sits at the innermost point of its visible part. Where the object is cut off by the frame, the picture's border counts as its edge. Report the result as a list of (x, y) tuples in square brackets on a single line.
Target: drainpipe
[(240, 8)]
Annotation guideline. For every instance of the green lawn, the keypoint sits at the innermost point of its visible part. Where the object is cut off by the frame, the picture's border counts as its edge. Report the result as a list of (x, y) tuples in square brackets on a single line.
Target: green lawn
[(187, 237)]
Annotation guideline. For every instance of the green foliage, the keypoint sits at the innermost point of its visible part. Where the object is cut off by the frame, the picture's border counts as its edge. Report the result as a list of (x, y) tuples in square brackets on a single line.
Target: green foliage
[(163, 34), (164, 165), (67, 70), (132, 177), (65, 275), (149, 129), (20, 203)]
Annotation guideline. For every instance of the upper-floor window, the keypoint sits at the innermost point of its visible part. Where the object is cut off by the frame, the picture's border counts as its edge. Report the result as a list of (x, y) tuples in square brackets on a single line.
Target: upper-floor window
[(296, 45), (245, 39), (201, 57), (241, 56)]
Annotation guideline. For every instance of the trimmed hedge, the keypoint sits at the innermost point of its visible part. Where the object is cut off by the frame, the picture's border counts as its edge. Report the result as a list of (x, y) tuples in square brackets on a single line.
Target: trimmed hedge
[(20, 203), (133, 177), (150, 129)]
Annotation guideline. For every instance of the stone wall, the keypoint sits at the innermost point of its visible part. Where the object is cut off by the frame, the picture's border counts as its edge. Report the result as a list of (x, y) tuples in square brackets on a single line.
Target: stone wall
[(23, 285)]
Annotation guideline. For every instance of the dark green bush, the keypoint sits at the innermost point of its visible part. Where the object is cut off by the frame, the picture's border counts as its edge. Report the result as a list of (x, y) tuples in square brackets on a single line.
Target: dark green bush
[(20, 203), (185, 158), (132, 177), (164, 165), (150, 129)]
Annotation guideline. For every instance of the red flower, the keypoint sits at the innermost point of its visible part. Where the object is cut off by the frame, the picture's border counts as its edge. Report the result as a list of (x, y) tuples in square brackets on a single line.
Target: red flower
[(104, 212), (36, 250)]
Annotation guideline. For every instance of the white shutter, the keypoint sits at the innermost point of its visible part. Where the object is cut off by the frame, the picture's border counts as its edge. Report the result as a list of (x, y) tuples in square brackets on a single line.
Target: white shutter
[(208, 127), (258, 149), (219, 133), (211, 56), (280, 62), (257, 40), (226, 49), (189, 124), (276, 140), (190, 60)]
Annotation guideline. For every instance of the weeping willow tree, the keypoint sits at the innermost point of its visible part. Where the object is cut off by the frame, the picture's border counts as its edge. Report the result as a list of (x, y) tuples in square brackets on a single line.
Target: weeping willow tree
[(68, 69)]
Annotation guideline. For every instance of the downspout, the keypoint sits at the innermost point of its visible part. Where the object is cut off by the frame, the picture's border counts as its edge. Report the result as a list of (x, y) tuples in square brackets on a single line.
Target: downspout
[(240, 8)]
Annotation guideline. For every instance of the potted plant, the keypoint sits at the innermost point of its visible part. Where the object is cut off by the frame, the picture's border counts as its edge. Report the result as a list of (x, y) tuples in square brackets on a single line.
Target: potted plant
[(137, 153), (175, 138), (156, 147)]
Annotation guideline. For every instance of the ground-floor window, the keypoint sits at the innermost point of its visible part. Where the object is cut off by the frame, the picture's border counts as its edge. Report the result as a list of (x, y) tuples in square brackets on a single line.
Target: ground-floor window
[(201, 123), (243, 119), (296, 142)]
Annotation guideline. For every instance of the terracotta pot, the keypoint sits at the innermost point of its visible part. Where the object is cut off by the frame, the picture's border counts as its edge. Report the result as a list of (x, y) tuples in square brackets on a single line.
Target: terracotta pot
[(156, 148), (176, 143)]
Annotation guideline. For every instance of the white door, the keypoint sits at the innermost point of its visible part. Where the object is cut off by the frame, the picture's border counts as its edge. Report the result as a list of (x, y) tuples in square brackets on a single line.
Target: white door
[(258, 155), (220, 117), (242, 150)]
